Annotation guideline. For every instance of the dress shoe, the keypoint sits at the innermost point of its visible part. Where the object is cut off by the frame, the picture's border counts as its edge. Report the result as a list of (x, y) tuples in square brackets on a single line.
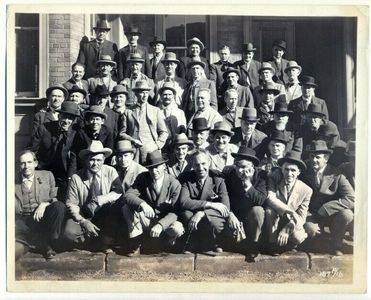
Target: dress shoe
[(218, 249), (49, 253), (135, 252)]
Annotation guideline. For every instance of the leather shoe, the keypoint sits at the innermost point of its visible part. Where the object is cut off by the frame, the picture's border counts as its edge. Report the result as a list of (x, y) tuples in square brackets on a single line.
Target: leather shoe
[(135, 252), (49, 253)]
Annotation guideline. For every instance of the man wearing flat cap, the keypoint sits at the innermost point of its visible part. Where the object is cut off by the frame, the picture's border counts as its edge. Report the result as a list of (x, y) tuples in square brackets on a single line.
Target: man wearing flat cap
[(133, 34), (217, 69), (278, 62), (157, 68), (292, 86), (105, 65), (151, 204), (91, 201), (91, 52)]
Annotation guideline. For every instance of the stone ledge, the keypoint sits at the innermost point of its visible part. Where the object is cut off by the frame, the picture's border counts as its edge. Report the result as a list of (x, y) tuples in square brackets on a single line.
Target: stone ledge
[(326, 262)]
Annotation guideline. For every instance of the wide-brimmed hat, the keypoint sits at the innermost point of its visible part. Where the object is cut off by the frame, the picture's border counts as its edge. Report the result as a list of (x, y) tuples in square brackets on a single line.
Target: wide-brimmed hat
[(280, 43), (170, 57), (319, 146), (278, 135), (231, 70), (200, 124), (328, 129), (249, 114), (95, 110), (196, 61), (248, 47), (308, 80), (76, 89), (57, 87), (95, 147), (154, 159), (106, 59), (269, 87), (222, 126), (123, 146), (281, 108), (157, 40), (141, 85), (119, 89), (197, 41), (182, 139), (101, 90), (247, 153), (69, 107), (167, 86), (293, 157), (266, 66), (135, 57), (351, 148), (314, 109), (132, 29), (292, 64), (102, 24)]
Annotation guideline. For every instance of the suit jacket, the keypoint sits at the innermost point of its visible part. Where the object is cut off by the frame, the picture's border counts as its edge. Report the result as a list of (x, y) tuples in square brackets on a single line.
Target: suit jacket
[(122, 65), (179, 86), (71, 82), (182, 67), (248, 77), (159, 69), (245, 97), (233, 120), (41, 117), (164, 204), (298, 107), (293, 92), (173, 167), (217, 70), (175, 120), (257, 141), (308, 135), (89, 53), (279, 72), (347, 169), (130, 84), (45, 189), (95, 81), (131, 174), (258, 99), (217, 162), (210, 114)]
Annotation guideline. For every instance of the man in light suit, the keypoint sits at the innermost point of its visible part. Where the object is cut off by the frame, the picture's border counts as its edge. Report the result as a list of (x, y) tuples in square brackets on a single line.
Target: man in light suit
[(288, 201), (217, 69), (157, 68), (38, 214), (292, 86), (78, 72), (90, 52), (105, 65), (278, 62), (150, 205)]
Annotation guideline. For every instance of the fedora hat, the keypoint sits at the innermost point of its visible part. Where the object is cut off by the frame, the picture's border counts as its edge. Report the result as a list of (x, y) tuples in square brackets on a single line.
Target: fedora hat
[(119, 89), (293, 157), (141, 85), (135, 57), (281, 108), (182, 139), (319, 146), (57, 87), (170, 57), (70, 108), (222, 126), (101, 90), (133, 29), (292, 64), (314, 109), (248, 47), (197, 41), (266, 66), (269, 87), (246, 153), (231, 70), (154, 159), (123, 146), (200, 124), (196, 61), (328, 130), (351, 148), (278, 135), (308, 80), (95, 147), (76, 89), (167, 86), (280, 43), (106, 59), (157, 40), (102, 24), (249, 114), (95, 110)]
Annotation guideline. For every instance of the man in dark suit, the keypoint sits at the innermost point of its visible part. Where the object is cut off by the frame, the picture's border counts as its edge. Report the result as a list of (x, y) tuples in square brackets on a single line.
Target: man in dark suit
[(217, 69), (105, 65), (38, 214), (278, 62), (78, 73), (91, 52), (157, 68), (132, 33), (150, 205)]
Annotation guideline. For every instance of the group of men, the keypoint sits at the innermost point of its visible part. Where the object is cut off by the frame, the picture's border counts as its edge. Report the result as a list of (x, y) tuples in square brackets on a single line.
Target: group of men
[(181, 155)]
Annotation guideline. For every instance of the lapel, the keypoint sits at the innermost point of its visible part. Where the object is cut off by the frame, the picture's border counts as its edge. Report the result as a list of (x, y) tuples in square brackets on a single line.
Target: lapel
[(207, 189), (294, 195), (327, 180), (162, 197), (282, 190), (243, 67), (94, 45), (18, 186), (37, 182), (85, 179)]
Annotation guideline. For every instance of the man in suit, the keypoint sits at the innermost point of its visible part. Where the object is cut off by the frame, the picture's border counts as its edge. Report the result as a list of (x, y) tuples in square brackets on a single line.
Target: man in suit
[(332, 202), (217, 69), (248, 67), (200, 133), (292, 86), (157, 68), (144, 125), (204, 204), (288, 202), (38, 214), (91, 52), (78, 72), (105, 66), (278, 62), (132, 33), (91, 201), (151, 204)]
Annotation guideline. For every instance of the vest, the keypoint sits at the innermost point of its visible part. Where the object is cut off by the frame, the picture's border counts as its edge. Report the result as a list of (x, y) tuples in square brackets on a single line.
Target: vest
[(29, 203), (145, 134)]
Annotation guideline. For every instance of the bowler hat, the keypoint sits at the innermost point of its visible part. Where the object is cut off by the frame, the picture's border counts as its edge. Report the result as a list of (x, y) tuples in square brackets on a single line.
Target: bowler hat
[(314, 109), (351, 148), (319, 146), (222, 126), (101, 90), (170, 57), (281, 108), (328, 129), (69, 107), (95, 110), (278, 135), (76, 89), (249, 114), (167, 86), (57, 87), (231, 70), (197, 41), (293, 157), (247, 153), (200, 124), (292, 64), (102, 24), (249, 47), (141, 85), (119, 89), (135, 57), (124, 146), (157, 40), (95, 147), (269, 87), (154, 159), (196, 61), (106, 59), (280, 43), (182, 139), (133, 29), (308, 80), (266, 66)]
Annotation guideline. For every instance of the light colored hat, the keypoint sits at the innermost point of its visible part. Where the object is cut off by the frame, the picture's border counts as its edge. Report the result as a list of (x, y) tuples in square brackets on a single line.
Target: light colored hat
[(96, 147)]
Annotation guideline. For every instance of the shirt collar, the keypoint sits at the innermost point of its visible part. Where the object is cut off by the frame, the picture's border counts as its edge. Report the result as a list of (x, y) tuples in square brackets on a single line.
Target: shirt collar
[(98, 175), (28, 179)]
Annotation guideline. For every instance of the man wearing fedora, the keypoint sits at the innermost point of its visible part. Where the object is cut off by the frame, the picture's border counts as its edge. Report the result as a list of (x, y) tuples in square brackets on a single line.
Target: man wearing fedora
[(78, 73), (292, 86), (92, 51), (151, 205), (118, 96), (200, 133), (288, 202), (55, 95), (194, 48), (105, 65), (248, 67), (300, 105), (218, 68), (91, 196), (157, 68), (220, 150), (144, 124), (278, 62), (332, 202), (133, 34)]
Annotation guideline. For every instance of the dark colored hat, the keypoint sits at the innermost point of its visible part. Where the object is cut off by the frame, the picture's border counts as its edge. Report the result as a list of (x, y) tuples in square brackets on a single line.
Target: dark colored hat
[(319, 146), (133, 29), (247, 153), (119, 89), (197, 41), (222, 126), (167, 86), (170, 57), (157, 40), (314, 109), (280, 43), (102, 24), (249, 114), (154, 159), (95, 110), (328, 130), (76, 89), (249, 47), (141, 85), (196, 61), (292, 64), (106, 59), (269, 87), (95, 147), (308, 80), (69, 107), (293, 157), (231, 70), (266, 66), (281, 108), (181, 139), (135, 57), (278, 135), (124, 146), (57, 87), (200, 124), (101, 90)]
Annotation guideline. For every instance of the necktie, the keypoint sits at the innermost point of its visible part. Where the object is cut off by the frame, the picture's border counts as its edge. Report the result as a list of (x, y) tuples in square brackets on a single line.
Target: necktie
[(123, 173), (27, 183), (94, 187), (199, 184), (318, 179), (157, 187), (133, 49)]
